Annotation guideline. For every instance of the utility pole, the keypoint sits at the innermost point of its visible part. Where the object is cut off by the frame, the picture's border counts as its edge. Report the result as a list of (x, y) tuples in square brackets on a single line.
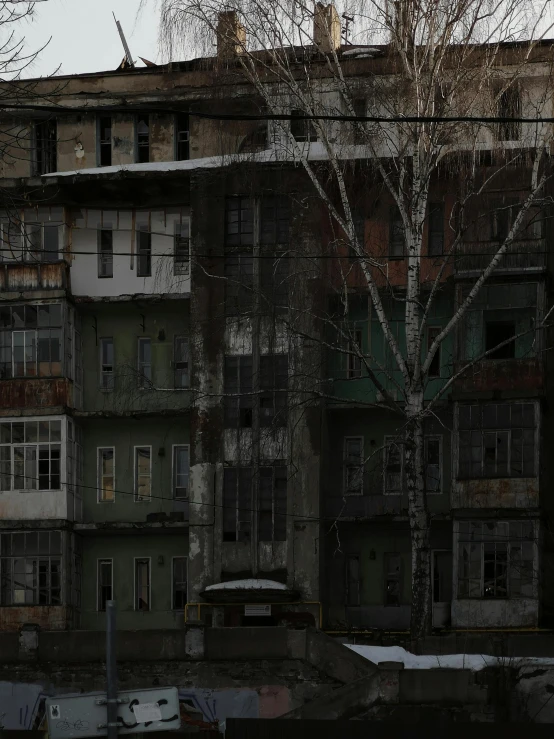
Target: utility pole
[(111, 670)]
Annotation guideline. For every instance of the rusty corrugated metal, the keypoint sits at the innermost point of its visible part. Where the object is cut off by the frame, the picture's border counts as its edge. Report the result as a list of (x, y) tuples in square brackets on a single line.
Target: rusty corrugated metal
[(49, 618), (17, 276), (35, 393)]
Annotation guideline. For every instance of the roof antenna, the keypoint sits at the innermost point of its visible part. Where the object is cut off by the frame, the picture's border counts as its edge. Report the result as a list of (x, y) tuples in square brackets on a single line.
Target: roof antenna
[(127, 59)]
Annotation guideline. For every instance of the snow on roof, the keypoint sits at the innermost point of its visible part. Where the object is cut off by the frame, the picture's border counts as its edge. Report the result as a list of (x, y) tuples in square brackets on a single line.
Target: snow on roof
[(473, 662), (247, 584)]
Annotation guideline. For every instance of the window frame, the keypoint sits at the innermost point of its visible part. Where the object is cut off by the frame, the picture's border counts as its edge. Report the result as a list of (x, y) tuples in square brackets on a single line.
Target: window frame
[(389, 575), (309, 134), (176, 369), (136, 561), (60, 445), (51, 558), (100, 561), (184, 142), (103, 144), (273, 473), (144, 252), (100, 475), (354, 363), (140, 146), (103, 253), (388, 440), (104, 374), (181, 267), (174, 488), (144, 378), (47, 162), (347, 467), (426, 439), (136, 497), (243, 528), (173, 581)]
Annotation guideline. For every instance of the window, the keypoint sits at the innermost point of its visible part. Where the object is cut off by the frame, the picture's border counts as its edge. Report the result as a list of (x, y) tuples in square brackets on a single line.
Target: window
[(105, 583), (41, 241), (354, 360), (397, 241), (354, 465), (143, 138), (106, 364), (239, 221), (10, 234), (274, 369), (498, 332), (503, 216), (393, 565), (238, 392), (180, 472), (105, 140), (393, 454), (359, 128), (45, 137), (239, 283), (143, 474), (182, 136), (30, 455), (274, 221), (31, 568), (237, 504), (142, 584), (106, 474), (352, 581), (31, 341), (435, 366), (433, 463), (302, 129), (497, 440), (144, 366), (144, 252), (435, 237), (181, 362), (272, 503), (509, 106), (274, 284), (105, 252), (181, 248), (179, 583), (496, 559)]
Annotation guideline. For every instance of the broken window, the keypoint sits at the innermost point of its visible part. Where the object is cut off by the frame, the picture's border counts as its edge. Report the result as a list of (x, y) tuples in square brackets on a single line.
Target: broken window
[(496, 440), (496, 559), (105, 583), (142, 584), (181, 362), (30, 455), (105, 252), (237, 503), (181, 248), (353, 465), (397, 239), (435, 244), (179, 583), (31, 340), (302, 129), (180, 471), (272, 503), (143, 474), (143, 138), (393, 456), (107, 364), (238, 391), (182, 136), (435, 366), (352, 581), (273, 387), (45, 142), (144, 252), (509, 106), (31, 568), (499, 332), (106, 474), (105, 140), (393, 564)]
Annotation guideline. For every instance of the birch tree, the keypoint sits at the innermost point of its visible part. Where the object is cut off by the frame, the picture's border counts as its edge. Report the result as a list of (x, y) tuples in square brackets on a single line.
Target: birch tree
[(446, 85)]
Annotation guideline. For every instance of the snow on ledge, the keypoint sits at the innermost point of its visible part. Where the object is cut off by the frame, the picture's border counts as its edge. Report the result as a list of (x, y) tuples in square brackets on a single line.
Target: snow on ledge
[(473, 662), (246, 585)]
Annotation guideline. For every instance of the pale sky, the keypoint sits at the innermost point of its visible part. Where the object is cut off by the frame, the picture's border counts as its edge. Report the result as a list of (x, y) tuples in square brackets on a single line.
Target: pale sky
[(85, 37)]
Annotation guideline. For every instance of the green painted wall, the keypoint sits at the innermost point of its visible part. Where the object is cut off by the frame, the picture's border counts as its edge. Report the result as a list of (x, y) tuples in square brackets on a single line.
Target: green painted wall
[(122, 549), (161, 433)]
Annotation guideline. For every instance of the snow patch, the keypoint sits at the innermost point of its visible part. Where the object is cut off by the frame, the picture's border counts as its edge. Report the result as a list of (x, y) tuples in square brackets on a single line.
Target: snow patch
[(247, 584), (367, 51), (474, 662)]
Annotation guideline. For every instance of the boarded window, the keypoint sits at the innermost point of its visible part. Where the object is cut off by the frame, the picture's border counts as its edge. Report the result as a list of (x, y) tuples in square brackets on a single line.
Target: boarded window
[(272, 503), (237, 504), (238, 400)]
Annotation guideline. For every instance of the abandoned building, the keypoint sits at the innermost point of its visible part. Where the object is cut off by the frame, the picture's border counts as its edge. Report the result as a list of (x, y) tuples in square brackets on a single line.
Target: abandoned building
[(160, 436)]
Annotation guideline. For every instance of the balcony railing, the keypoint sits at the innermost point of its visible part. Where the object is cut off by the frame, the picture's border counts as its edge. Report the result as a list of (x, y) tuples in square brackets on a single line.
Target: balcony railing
[(522, 255), (28, 276)]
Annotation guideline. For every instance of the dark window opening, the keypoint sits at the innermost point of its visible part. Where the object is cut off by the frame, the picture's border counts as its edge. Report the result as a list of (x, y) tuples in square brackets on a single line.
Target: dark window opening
[(497, 332), (237, 504), (179, 583), (397, 240), (238, 392), (239, 221), (142, 584), (239, 283), (354, 360), (144, 253), (181, 248), (433, 464), (46, 139), (436, 230), (182, 137), (105, 253), (181, 362), (273, 386), (272, 503), (393, 453), (104, 583), (105, 140), (302, 130), (393, 564), (509, 106), (143, 138)]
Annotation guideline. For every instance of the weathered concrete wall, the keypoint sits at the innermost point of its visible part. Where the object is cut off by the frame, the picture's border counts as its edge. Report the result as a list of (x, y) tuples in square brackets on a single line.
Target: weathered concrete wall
[(495, 613), (123, 140), (77, 142), (496, 493), (33, 393)]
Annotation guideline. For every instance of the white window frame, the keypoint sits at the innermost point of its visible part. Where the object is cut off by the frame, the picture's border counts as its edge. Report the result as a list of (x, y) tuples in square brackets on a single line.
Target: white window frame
[(98, 560), (173, 470), (135, 602), (177, 556), (426, 439), (144, 382), (100, 449), (136, 497), (107, 374), (362, 465)]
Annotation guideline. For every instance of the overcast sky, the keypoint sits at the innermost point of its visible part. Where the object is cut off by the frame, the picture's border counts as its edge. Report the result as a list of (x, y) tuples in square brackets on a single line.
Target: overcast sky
[(84, 36)]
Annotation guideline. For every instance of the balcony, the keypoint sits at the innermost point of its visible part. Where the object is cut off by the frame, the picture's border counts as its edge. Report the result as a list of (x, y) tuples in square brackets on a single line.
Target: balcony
[(500, 375), (36, 393), (26, 277), (525, 255)]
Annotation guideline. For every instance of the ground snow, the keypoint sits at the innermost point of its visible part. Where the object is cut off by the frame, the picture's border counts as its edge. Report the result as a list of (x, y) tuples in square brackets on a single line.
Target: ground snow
[(248, 584)]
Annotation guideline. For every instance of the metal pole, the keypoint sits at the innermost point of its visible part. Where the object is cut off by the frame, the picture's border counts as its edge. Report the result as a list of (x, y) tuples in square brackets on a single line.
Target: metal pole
[(111, 670)]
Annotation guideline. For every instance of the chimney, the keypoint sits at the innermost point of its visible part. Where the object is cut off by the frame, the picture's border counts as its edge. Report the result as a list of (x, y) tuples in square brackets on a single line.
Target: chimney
[(231, 35), (326, 28)]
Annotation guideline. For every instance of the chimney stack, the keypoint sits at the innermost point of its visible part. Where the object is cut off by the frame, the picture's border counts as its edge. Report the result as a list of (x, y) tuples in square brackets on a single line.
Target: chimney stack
[(326, 28), (231, 35)]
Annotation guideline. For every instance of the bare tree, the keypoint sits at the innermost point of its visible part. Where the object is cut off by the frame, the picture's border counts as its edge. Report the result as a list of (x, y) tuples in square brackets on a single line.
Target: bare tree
[(447, 85)]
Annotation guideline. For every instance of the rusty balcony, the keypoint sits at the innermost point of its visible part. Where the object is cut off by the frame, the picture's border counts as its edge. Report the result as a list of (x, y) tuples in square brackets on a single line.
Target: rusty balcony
[(501, 374), (524, 255), (30, 276)]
